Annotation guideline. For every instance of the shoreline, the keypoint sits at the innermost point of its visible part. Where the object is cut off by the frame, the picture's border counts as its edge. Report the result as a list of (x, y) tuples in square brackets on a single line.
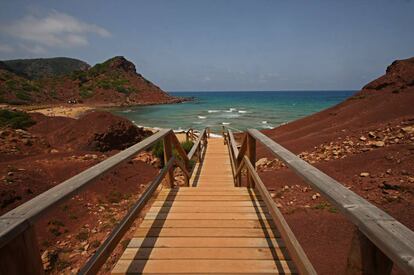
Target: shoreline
[(77, 110)]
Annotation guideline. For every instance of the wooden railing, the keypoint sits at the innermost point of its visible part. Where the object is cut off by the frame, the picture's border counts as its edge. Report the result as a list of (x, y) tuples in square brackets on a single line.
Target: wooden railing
[(380, 240), (19, 251)]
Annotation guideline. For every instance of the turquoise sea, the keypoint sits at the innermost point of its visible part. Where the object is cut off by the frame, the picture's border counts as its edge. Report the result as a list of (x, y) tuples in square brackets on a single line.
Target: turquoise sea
[(236, 110)]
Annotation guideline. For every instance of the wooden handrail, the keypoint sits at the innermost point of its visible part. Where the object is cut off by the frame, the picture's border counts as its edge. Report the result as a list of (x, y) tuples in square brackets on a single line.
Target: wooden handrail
[(394, 239), (17, 220), (196, 146), (301, 260), (386, 240), (105, 250), (16, 226)]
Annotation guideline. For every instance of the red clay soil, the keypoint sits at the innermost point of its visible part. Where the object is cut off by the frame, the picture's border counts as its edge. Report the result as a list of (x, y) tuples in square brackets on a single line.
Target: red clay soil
[(57, 148), (367, 144)]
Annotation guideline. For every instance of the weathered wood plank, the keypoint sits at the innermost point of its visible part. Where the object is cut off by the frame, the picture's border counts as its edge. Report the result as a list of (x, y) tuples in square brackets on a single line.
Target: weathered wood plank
[(219, 253), (205, 232), (207, 209), (204, 266), (208, 203), (206, 242), (207, 216), (21, 255), (207, 224), (207, 198)]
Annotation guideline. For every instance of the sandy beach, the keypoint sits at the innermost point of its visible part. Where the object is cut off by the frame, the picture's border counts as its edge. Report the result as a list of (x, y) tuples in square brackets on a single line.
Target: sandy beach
[(65, 111)]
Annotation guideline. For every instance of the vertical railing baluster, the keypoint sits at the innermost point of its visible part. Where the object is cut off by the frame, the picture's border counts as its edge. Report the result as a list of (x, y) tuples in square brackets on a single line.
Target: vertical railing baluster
[(251, 154), (167, 156)]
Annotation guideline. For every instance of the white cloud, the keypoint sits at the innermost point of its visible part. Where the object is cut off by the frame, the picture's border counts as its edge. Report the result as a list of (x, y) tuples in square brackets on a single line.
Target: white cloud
[(56, 29), (6, 48)]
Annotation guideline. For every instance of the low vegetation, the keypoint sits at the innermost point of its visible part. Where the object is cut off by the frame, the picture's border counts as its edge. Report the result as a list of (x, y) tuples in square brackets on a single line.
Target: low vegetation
[(158, 150), (15, 119)]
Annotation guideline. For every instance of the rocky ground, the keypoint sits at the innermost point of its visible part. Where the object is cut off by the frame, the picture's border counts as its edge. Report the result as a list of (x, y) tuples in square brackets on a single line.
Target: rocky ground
[(367, 144), (56, 148)]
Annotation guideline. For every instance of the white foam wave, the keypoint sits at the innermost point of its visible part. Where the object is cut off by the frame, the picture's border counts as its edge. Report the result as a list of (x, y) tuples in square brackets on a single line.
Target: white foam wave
[(213, 111), (242, 111), (202, 117), (225, 123), (264, 122), (127, 111), (215, 135)]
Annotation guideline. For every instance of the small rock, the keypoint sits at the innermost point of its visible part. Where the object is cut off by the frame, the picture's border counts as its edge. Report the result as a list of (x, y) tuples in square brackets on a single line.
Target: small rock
[(372, 134), (378, 144), (364, 174), (388, 171), (408, 129), (315, 196), (273, 195), (262, 162), (363, 138)]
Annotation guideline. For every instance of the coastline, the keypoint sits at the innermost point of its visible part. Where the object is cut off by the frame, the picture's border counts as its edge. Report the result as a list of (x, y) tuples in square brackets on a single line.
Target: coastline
[(77, 110)]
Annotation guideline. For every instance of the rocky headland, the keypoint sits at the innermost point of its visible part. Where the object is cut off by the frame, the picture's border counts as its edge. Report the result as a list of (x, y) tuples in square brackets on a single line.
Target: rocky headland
[(114, 82)]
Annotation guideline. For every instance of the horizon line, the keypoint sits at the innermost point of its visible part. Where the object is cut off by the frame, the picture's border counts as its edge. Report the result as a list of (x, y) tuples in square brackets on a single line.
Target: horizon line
[(238, 91)]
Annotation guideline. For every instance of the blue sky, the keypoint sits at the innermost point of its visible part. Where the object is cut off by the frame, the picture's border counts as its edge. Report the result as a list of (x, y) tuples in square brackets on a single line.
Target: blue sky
[(219, 44)]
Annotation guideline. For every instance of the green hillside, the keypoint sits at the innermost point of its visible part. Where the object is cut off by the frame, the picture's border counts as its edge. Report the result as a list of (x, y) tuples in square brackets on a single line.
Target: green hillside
[(46, 67)]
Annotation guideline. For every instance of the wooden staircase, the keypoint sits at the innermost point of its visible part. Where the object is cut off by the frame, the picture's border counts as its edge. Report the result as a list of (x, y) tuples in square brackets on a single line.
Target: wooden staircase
[(211, 227)]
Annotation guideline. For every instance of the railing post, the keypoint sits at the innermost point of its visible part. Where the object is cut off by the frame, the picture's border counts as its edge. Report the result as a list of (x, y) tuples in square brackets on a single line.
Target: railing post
[(251, 154), (167, 156), (22, 255), (365, 258)]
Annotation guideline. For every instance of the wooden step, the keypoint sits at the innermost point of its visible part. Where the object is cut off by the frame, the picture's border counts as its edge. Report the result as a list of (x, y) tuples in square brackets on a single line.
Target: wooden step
[(207, 216), (206, 198), (178, 266), (208, 203), (205, 232), (162, 253), (194, 242), (208, 223), (207, 209)]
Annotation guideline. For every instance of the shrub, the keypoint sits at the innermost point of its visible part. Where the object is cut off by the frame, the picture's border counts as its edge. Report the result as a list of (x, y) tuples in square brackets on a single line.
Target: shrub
[(15, 119), (158, 150), (23, 95), (85, 92), (187, 145)]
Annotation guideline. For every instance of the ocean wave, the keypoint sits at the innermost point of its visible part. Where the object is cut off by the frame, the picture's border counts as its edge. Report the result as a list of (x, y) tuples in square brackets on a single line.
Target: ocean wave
[(202, 117), (213, 111), (215, 135), (197, 122), (126, 111), (264, 122), (230, 110), (242, 111), (225, 123), (229, 115)]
